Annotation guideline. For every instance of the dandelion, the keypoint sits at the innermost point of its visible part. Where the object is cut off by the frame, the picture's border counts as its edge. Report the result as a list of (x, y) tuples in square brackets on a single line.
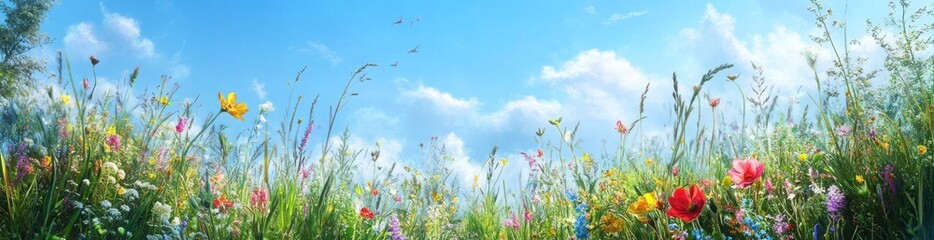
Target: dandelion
[(686, 205), (835, 202), (395, 230), (803, 157), (66, 99), (164, 101), (745, 172), (859, 179), (180, 126), (922, 150), (231, 106), (649, 161)]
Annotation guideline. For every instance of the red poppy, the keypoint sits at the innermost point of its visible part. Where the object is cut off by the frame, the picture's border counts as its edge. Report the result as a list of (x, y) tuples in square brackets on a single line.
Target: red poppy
[(365, 212), (686, 204), (223, 204)]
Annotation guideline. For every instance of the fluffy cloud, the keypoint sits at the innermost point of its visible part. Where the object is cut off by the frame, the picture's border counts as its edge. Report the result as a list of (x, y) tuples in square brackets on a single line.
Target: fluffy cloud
[(459, 113), (81, 37), (129, 30)]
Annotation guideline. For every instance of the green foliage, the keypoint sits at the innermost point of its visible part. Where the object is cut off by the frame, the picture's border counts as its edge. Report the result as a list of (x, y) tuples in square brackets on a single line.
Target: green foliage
[(18, 34)]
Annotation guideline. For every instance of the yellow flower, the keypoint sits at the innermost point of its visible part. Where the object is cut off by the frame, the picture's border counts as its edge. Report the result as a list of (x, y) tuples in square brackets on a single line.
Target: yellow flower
[(643, 205), (111, 131), (164, 101), (649, 161), (859, 179), (726, 182), (588, 161), (803, 157), (503, 162), (611, 223), (66, 99), (231, 106), (121, 190), (922, 150)]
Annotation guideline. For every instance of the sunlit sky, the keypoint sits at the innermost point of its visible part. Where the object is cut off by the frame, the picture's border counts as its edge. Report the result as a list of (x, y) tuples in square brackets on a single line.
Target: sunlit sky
[(486, 72)]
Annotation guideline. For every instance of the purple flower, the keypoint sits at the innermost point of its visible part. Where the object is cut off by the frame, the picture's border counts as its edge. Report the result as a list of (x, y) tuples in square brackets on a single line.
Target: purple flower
[(844, 130), (817, 232), (395, 231), (835, 202), (780, 225), (311, 125), (22, 165)]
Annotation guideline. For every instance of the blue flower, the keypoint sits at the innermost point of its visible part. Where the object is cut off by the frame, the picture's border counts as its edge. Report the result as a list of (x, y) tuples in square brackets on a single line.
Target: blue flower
[(580, 227), (572, 196), (672, 227), (817, 232)]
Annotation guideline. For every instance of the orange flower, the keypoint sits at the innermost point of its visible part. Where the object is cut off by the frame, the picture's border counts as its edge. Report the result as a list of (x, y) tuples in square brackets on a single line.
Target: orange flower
[(231, 106), (714, 102), (620, 127)]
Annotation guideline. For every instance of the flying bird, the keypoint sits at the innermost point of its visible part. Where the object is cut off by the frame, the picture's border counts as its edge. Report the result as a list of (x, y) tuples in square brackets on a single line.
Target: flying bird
[(400, 21), (416, 20), (396, 64), (414, 50)]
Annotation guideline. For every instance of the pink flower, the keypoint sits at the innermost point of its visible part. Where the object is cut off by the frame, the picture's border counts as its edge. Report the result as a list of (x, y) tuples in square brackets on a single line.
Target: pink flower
[(527, 215), (114, 142), (714, 102), (675, 171), (512, 221), (844, 130), (745, 172), (181, 124), (259, 198)]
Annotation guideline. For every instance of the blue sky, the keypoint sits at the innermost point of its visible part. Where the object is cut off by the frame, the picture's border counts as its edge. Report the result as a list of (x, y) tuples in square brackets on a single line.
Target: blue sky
[(487, 72)]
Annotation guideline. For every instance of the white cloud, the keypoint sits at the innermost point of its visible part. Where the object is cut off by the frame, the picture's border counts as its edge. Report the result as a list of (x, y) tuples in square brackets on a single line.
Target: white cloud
[(128, 29), (466, 113), (324, 51), (590, 9), (465, 170), (618, 16), (81, 37), (260, 89)]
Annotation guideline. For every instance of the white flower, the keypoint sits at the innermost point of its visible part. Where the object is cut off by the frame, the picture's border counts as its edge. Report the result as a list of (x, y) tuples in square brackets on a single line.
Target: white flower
[(162, 211), (125, 208), (105, 204), (86, 182), (121, 174), (266, 107), (108, 168), (176, 221), (111, 180), (262, 119), (131, 194)]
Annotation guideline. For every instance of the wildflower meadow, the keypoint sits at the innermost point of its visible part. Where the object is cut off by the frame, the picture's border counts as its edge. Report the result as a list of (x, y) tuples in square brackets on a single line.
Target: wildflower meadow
[(82, 163)]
